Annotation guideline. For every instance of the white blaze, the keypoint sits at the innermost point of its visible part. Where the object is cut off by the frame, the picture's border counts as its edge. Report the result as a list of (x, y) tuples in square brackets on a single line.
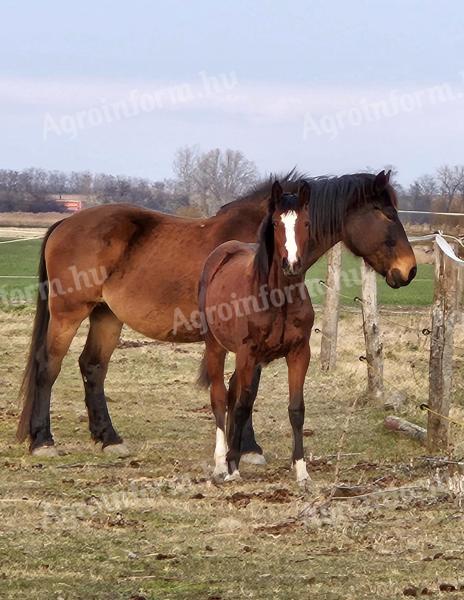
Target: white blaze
[(289, 220)]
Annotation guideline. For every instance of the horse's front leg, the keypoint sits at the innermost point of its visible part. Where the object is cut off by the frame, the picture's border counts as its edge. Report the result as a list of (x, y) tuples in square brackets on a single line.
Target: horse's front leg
[(297, 363)]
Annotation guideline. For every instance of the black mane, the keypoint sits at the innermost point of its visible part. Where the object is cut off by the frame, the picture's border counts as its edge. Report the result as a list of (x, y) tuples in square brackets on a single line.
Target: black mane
[(331, 198), (261, 191)]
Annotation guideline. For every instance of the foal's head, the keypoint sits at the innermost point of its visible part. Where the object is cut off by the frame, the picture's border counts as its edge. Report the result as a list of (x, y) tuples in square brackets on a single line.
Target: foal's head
[(284, 232)]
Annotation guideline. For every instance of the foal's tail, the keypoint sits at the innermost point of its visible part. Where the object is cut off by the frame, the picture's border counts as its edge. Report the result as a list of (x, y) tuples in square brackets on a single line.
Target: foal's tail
[(37, 358)]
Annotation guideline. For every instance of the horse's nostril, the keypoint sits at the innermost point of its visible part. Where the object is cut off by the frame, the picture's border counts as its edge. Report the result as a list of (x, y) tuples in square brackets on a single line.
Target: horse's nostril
[(412, 274)]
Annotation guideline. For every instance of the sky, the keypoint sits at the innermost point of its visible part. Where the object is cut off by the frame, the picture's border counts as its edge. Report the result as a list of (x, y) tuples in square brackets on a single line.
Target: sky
[(329, 86)]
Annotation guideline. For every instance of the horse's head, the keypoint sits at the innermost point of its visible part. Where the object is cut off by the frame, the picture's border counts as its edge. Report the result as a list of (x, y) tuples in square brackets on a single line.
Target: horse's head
[(284, 232), (290, 221), (373, 230)]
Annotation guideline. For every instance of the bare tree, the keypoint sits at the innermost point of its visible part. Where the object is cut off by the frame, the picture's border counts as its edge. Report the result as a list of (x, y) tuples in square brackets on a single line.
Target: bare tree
[(420, 196), (451, 182), (428, 186), (213, 177), (184, 167)]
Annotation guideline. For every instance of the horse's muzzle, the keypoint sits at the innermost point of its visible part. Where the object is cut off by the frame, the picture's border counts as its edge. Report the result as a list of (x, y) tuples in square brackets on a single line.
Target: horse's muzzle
[(291, 269), (395, 279)]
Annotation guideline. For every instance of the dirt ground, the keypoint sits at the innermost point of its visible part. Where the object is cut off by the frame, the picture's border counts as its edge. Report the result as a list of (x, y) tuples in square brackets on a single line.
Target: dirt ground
[(383, 522)]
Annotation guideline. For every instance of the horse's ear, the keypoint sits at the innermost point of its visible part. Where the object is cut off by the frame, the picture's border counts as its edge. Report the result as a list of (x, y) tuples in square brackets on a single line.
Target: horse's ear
[(381, 181), (276, 194), (304, 194)]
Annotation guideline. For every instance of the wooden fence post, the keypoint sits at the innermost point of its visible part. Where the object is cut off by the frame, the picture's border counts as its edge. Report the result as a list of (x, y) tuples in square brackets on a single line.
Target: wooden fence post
[(331, 309), (441, 349), (374, 347)]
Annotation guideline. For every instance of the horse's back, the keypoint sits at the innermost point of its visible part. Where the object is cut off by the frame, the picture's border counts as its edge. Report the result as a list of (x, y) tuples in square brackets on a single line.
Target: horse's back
[(103, 229)]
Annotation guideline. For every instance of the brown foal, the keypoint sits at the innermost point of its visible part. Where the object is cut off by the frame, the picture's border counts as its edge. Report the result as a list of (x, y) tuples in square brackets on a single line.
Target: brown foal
[(255, 303)]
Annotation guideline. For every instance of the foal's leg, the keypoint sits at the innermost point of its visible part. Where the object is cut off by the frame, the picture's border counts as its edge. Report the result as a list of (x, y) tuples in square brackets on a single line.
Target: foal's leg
[(61, 330), (240, 411), (215, 358), (250, 449), (104, 332), (297, 362)]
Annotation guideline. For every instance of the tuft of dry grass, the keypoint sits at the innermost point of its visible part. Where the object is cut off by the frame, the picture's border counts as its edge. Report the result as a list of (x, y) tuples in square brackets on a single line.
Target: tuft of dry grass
[(155, 526)]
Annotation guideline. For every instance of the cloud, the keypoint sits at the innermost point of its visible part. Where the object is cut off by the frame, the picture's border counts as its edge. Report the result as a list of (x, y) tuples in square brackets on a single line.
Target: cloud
[(222, 92)]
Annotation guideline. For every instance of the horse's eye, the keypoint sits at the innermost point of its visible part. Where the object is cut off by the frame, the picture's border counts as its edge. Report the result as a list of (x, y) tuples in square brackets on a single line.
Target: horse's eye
[(385, 214), (274, 223), (307, 224)]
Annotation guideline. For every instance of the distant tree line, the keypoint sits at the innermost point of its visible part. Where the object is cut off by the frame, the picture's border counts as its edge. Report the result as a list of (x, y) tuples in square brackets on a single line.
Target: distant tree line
[(38, 190), (441, 192), (202, 182)]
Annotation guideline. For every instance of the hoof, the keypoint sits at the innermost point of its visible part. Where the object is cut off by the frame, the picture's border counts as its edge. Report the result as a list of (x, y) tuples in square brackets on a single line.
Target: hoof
[(304, 484), (220, 471), (45, 451), (235, 476), (253, 458), (118, 450)]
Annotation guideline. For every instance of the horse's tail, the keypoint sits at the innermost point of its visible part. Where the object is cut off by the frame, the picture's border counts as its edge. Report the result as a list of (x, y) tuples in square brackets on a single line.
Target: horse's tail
[(203, 379), (37, 357)]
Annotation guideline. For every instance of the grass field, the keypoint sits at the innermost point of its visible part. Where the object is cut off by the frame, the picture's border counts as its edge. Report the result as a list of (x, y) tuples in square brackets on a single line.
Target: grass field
[(154, 526), (20, 258)]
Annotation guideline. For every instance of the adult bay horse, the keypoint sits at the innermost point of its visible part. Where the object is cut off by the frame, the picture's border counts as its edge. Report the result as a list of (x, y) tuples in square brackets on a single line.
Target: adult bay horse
[(276, 323), (117, 264)]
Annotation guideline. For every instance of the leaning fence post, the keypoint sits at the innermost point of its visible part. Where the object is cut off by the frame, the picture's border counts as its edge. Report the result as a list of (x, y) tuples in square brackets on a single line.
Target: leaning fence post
[(331, 308), (374, 346), (441, 349)]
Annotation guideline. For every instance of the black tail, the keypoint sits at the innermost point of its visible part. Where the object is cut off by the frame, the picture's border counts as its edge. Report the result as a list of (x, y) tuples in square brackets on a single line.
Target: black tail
[(37, 358)]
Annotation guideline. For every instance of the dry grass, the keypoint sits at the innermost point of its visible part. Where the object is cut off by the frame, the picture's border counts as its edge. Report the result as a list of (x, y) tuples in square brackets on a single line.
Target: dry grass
[(155, 526), (21, 219)]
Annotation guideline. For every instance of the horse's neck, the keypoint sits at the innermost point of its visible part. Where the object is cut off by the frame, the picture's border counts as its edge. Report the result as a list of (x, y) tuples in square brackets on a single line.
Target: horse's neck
[(316, 250), (239, 223)]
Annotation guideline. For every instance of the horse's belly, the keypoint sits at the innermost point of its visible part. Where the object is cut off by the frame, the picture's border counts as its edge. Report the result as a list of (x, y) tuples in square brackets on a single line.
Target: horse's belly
[(165, 310)]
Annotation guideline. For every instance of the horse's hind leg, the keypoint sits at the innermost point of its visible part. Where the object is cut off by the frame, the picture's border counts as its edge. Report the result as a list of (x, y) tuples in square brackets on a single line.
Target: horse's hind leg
[(215, 356), (61, 330), (104, 332), (251, 451), (240, 410)]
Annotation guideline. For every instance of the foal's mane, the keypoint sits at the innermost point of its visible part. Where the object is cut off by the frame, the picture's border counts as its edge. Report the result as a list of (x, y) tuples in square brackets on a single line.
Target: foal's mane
[(265, 250), (331, 198)]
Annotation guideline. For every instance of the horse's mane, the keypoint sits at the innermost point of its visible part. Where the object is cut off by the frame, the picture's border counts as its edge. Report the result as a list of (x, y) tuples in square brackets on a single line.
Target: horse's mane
[(260, 191), (265, 250), (331, 198)]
